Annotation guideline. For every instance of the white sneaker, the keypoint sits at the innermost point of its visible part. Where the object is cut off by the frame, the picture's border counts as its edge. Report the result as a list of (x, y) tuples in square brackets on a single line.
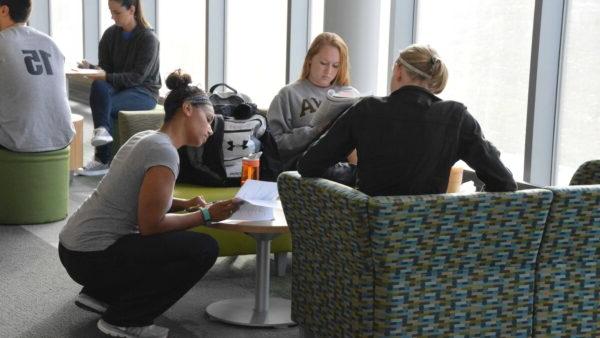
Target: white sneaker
[(90, 304), (93, 168), (101, 137), (150, 331)]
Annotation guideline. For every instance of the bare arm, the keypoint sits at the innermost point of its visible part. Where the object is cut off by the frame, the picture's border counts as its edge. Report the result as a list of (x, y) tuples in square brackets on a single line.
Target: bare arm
[(156, 197), (180, 204)]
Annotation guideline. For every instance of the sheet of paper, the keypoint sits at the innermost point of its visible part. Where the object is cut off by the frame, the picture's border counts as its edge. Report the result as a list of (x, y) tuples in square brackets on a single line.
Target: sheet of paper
[(264, 203), (250, 212), (258, 191), (260, 198), (83, 71)]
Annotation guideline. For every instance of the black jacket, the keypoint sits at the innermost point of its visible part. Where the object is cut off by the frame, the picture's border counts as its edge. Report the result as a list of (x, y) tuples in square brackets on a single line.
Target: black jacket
[(407, 142), (133, 62)]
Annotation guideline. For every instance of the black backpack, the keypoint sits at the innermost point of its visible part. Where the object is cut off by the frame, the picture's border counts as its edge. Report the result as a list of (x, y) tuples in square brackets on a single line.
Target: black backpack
[(238, 130), (226, 102)]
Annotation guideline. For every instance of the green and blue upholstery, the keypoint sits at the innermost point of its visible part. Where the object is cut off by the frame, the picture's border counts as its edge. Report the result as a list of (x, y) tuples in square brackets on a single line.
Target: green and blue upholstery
[(456, 264), (567, 302), (34, 187), (428, 265), (332, 290), (587, 173)]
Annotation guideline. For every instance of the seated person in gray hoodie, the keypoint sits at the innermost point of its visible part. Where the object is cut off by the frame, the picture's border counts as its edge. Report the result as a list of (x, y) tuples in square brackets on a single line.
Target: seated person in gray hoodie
[(302, 110)]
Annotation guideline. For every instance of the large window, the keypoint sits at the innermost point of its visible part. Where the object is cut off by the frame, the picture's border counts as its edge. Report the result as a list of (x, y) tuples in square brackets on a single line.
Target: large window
[(487, 48), (256, 48), (384, 43), (105, 16), (317, 16), (182, 36), (66, 21), (579, 112)]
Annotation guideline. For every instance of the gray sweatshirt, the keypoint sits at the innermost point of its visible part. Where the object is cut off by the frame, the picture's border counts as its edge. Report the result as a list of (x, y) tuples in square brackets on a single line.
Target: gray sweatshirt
[(289, 118), (34, 110)]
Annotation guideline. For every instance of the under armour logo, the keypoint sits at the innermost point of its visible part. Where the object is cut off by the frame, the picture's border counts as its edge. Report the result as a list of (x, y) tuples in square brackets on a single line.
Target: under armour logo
[(244, 145)]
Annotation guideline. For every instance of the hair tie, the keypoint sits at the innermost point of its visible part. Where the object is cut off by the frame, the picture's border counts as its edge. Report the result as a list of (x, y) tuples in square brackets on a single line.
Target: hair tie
[(413, 68)]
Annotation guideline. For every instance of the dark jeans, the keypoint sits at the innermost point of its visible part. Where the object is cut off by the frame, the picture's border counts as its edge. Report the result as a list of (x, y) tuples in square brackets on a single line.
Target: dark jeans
[(140, 277), (106, 102)]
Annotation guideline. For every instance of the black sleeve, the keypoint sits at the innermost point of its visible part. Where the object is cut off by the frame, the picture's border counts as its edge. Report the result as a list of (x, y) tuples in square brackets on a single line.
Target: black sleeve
[(483, 157), (336, 143), (104, 53)]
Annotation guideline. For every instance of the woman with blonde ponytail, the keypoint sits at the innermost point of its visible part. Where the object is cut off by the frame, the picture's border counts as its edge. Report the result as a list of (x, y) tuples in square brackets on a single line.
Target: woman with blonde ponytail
[(408, 141)]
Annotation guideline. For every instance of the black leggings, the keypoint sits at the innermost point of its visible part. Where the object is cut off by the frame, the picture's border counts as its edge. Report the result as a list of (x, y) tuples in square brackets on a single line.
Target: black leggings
[(140, 277)]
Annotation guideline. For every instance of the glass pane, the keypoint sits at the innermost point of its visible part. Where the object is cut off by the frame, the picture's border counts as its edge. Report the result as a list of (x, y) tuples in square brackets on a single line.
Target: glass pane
[(317, 14), (256, 48), (487, 48), (384, 45), (105, 17), (67, 29), (579, 110), (182, 38)]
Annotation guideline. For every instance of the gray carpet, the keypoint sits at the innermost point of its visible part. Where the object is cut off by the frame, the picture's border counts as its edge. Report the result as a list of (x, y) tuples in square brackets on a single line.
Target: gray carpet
[(36, 295)]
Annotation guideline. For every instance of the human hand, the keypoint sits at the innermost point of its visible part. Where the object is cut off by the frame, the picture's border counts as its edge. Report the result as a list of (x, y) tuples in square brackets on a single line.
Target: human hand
[(223, 209), (197, 201), (84, 64)]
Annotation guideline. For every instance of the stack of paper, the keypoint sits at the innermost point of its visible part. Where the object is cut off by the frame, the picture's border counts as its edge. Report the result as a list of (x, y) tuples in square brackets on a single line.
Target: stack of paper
[(260, 198), (83, 71)]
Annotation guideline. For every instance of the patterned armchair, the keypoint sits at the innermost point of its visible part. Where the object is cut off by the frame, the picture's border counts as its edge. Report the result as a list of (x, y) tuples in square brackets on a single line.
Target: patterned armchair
[(332, 262), (567, 299), (587, 173), (428, 265)]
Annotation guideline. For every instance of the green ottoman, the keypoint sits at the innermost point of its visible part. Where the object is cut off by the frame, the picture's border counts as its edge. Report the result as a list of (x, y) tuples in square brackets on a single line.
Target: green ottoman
[(34, 186)]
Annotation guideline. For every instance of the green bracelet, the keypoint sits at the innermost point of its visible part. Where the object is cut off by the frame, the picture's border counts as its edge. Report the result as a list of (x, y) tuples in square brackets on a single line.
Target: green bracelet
[(206, 216)]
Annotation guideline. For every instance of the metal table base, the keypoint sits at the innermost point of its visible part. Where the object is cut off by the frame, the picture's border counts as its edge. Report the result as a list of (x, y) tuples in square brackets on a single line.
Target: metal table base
[(262, 311)]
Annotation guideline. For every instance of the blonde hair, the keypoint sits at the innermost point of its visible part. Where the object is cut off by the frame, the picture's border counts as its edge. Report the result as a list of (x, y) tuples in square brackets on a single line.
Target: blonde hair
[(423, 63), (329, 39)]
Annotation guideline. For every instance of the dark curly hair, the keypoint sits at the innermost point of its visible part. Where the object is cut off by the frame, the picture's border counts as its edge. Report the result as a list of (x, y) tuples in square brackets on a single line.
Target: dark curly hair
[(179, 84)]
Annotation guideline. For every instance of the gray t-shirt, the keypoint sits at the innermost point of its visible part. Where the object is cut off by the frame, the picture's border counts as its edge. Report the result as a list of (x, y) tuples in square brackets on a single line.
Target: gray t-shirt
[(111, 211), (34, 110), (290, 115)]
